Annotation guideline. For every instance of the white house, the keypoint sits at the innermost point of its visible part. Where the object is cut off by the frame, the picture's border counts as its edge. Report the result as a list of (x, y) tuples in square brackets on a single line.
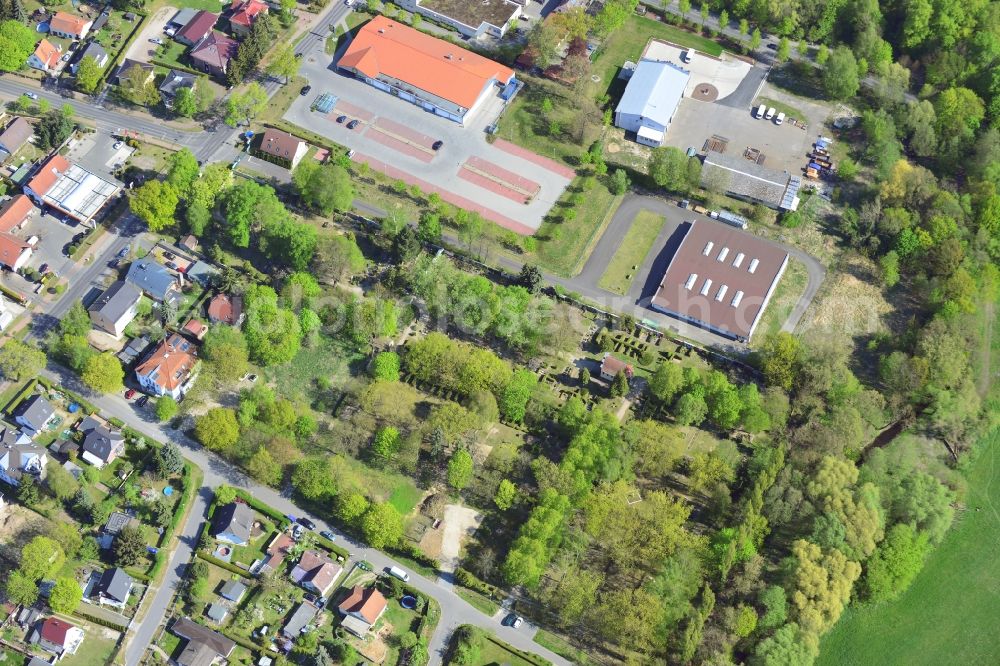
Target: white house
[(19, 456), (170, 369), (116, 308), (650, 100)]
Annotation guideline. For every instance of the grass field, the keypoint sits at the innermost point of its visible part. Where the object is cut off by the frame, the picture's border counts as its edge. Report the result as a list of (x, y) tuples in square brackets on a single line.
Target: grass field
[(564, 251), (96, 649), (635, 246), (792, 284), (949, 615), (478, 601), (562, 648), (404, 497)]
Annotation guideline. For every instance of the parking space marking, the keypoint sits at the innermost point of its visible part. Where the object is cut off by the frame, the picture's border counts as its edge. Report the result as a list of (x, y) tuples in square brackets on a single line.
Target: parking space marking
[(343, 108), (450, 197), (544, 162), (498, 173), (405, 132), (375, 134), (493, 186)]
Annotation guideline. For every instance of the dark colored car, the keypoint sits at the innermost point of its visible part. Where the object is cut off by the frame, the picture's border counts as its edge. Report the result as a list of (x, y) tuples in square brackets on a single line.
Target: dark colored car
[(298, 55), (171, 265), (328, 535), (352, 124), (114, 263), (142, 401), (122, 253), (437, 144), (169, 255), (305, 90), (341, 119), (44, 268), (773, 47), (306, 523)]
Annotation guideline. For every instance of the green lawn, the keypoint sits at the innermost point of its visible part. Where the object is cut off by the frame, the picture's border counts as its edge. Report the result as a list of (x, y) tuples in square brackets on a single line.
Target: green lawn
[(11, 658), (635, 246), (496, 653), (565, 245), (294, 380), (96, 649), (404, 497), (172, 52), (562, 647), (785, 296), (949, 615), (478, 601)]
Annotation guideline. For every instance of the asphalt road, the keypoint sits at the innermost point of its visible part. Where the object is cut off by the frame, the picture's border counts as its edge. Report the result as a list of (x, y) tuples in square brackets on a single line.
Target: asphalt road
[(454, 610)]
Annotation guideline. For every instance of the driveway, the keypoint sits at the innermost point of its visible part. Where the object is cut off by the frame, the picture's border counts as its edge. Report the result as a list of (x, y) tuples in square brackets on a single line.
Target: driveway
[(142, 50), (466, 170)]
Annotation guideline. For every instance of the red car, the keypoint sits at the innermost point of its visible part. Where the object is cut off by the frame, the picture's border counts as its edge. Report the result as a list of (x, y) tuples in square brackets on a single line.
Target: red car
[(129, 394)]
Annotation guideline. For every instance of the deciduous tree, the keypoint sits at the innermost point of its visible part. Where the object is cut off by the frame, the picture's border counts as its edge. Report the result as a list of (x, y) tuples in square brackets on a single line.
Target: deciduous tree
[(20, 361), (88, 75), (103, 372), (155, 203), (382, 525), (65, 595), (217, 429)]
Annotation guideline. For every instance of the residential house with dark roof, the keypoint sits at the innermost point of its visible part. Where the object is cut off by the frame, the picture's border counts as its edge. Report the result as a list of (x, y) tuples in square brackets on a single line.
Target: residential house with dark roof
[(170, 369), (174, 81), (721, 279), (101, 445), (127, 66), (361, 610), (16, 134), (280, 147), (233, 590), (70, 26), (114, 588), (217, 612), (57, 636), (232, 523), (153, 279), (212, 54), (203, 647), (46, 57), (437, 75), (226, 309), (34, 413), (181, 19), (93, 50), (197, 29), (38, 661), (316, 572), (243, 14), (299, 620), (116, 308), (19, 455)]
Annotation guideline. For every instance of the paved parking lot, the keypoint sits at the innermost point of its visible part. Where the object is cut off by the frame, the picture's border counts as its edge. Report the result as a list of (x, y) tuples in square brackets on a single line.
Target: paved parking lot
[(53, 236), (96, 153), (394, 138), (142, 50)]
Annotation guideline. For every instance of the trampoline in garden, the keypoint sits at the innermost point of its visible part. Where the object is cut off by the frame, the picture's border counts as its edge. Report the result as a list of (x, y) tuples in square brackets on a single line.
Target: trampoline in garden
[(324, 103), (409, 602), (43, 27), (168, 491)]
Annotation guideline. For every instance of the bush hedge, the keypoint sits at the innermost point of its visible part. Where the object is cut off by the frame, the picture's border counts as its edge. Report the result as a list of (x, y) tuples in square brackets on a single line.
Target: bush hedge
[(225, 565)]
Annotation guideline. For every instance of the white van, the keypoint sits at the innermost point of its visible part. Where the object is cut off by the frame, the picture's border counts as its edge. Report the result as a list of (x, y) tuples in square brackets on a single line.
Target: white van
[(770, 113), (761, 110), (780, 118), (399, 573)]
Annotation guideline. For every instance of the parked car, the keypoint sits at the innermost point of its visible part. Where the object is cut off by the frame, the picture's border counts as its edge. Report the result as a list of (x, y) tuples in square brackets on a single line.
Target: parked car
[(683, 203), (155, 40), (352, 124), (512, 620), (761, 110), (305, 90), (396, 572), (780, 118), (171, 265), (43, 269), (142, 401), (31, 95), (773, 47), (328, 535), (129, 394), (122, 253), (341, 119), (114, 263), (350, 154), (306, 523), (518, 620), (437, 145), (169, 255), (66, 57), (118, 144), (770, 113)]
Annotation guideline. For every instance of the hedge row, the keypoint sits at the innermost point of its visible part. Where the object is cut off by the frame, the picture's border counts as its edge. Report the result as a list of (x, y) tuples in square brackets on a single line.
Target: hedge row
[(466, 578), (21, 395), (225, 565), (104, 622), (529, 657), (187, 493), (265, 509), (75, 397)]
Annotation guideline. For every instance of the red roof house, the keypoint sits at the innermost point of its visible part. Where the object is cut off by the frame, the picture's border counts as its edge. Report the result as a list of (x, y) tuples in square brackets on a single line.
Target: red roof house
[(244, 14), (197, 28)]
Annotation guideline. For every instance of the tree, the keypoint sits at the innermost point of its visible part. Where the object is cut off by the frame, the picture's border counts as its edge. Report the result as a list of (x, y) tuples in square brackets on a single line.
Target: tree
[(166, 408), (385, 367), (337, 258), (505, 495), (137, 87), (88, 75), (288, 242), (313, 480), (169, 460), (668, 169), (382, 525), (779, 358), (183, 170), (514, 399), (20, 589), (226, 349), (217, 429), (263, 467), (41, 557), (155, 203), (103, 372), (273, 334), (460, 469), (52, 130), (65, 595), (406, 245), (62, 484), (705, 470), (821, 585), (666, 382), (788, 646), (895, 563), (185, 102), (324, 188), (530, 278), (245, 105), (619, 182), (283, 63), (19, 361), (784, 49), (840, 75), (619, 385), (690, 409), (17, 42), (386, 444), (129, 546), (755, 39)]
